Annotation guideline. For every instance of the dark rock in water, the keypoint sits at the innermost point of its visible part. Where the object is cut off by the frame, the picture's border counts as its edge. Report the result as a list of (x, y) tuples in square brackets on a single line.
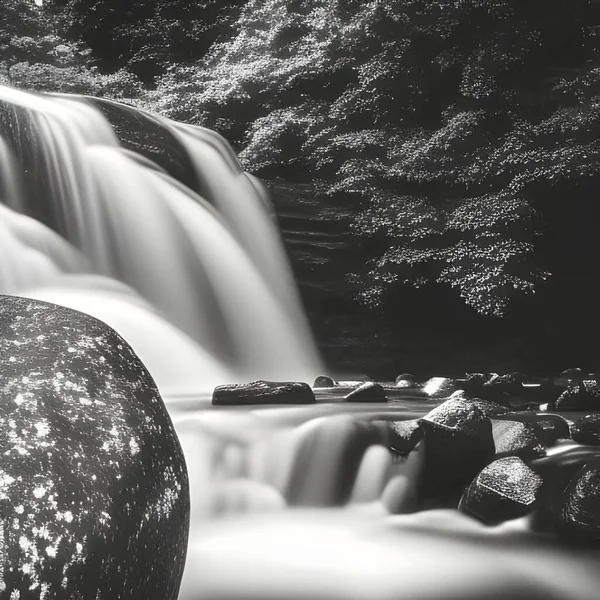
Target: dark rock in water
[(473, 382), (94, 496), (506, 489), (582, 396), (549, 428), (586, 430), (406, 380), (263, 392), (323, 382), (458, 444), (439, 387), (510, 384), (578, 518), (367, 392), (514, 438), (404, 436), (574, 374)]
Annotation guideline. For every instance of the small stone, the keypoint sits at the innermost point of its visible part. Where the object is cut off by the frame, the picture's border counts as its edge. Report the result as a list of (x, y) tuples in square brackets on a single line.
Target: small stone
[(504, 490), (582, 396), (323, 381), (404, 436), (263, 392), (514, 438), (439, 387), (458, 444), (406, 380), (586, 430), (367, 392)]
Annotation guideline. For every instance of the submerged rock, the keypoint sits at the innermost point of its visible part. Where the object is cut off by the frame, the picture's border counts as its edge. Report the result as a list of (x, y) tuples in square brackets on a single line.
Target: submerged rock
[(586, 430), (583, 396), (404, 436), (94, 493), (458, 444), (263, 392), (323, 381), (515, 438), (504, 490), (367, 392)]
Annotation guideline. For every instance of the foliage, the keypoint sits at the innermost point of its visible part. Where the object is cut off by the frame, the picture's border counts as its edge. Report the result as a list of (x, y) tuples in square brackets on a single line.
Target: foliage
[(145, 37), (36, 55), (439, 117)]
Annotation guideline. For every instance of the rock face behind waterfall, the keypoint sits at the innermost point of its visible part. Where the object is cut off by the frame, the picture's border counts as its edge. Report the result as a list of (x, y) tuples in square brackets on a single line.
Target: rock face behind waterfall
[(94, 498)]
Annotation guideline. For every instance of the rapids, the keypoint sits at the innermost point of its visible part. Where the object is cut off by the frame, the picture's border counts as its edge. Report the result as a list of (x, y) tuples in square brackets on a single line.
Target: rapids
[(152, 227)]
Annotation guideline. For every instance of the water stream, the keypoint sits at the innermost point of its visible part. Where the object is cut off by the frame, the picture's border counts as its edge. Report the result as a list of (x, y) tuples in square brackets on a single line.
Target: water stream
[(152, 227)]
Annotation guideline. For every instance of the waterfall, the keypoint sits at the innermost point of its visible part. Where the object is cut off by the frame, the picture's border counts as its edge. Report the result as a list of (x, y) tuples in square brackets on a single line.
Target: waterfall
[(178, 250)]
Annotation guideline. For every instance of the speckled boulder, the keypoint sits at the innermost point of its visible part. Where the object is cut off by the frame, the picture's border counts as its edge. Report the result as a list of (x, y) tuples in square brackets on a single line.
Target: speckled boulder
[(94, 499), (506, 489)]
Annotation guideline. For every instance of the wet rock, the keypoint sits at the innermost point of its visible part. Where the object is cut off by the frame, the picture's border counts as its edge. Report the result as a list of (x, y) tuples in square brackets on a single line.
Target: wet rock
[(263, 392), (586, 430), (404, 436), (323, 381), (458, 444), (508, 385), (515, 438), (439, 387), (367, 392), (504, 490), (578, 518), (582, 396), (549, 428), (473, 382), (94, 489), (572, 374), (406, 380)]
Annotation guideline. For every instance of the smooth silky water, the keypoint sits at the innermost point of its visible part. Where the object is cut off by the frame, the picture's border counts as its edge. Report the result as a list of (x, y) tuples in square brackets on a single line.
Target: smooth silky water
[(152, 227)]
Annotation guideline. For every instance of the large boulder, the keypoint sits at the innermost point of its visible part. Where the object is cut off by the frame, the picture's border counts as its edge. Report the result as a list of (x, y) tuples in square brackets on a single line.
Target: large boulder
[(94, 497), (581, 396)]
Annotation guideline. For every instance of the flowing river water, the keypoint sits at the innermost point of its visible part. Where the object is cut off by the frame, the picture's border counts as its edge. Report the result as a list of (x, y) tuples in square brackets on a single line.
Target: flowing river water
[(152, 227)]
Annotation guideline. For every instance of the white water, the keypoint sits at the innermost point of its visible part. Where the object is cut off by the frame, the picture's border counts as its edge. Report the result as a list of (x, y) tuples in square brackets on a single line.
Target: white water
[(216, 281), (203, 293)]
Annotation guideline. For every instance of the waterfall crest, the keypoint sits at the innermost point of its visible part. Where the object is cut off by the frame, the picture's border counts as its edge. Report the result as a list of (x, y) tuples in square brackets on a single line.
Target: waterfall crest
[(180, 254)]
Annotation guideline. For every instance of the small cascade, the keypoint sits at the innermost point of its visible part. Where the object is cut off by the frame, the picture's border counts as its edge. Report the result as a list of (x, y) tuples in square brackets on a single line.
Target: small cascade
[(204, 279)]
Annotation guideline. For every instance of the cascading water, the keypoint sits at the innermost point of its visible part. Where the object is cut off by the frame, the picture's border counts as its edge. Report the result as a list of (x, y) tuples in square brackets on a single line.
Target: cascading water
[(152, 227), (219, 282)]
